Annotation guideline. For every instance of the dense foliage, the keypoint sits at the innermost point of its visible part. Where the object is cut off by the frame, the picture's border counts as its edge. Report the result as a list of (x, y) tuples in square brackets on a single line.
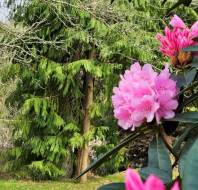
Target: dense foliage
[(56, 45), (54, 59)]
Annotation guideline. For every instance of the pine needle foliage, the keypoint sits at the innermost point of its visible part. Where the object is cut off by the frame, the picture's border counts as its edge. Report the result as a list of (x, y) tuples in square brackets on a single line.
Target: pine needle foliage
[(52, 52)]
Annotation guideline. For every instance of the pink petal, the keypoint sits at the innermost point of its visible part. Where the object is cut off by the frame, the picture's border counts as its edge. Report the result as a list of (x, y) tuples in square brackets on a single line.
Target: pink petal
[(175, 186), (177, 22), (125, 124), (150, 117), (133, 181), (123, 113), (135, 67), (154, 183), (159, 36), (194, 30), (158, 117), (168, 114)]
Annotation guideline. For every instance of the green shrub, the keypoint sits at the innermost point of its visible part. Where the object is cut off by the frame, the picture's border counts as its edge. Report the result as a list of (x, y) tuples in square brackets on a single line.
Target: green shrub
[(42, 140)]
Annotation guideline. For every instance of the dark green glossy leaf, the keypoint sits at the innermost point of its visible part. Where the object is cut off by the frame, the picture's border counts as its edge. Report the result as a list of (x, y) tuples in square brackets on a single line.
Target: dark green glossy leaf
[(180, 79), (184, 155), (159, 161), (190, 76), (195, 62), (191, 169), (187, 117), (186, 78), (145, 172), (113, 186), (191, 48)]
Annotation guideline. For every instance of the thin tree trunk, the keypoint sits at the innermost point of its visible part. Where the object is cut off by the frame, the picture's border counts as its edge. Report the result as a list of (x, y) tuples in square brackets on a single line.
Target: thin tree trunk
[(83, 154)]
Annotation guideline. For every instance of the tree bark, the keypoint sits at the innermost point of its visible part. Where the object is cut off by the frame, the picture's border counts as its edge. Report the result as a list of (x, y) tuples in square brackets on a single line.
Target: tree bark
[(83, 154)]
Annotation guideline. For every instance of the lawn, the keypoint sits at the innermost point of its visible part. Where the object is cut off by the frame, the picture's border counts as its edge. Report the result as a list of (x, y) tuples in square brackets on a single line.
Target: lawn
[(92, 184)]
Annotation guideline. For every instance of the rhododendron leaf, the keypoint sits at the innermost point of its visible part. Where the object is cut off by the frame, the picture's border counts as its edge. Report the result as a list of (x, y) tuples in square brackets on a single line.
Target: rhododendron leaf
[(191, 48), (158, 161), (163, 175), (113, 186), (187, 117), (180, 80), (184, 155), (191, 169), (195, 62), (190, 76), (184, 79), (158, 155)]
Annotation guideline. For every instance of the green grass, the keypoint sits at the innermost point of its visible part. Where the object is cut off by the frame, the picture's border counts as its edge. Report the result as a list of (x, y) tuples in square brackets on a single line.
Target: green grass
[(92, 184)]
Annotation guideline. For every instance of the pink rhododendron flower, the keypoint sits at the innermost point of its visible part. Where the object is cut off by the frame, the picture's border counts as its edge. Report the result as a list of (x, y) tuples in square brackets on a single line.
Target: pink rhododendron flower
[(178, 38), (143, 95), (166, 91), (134, 182)]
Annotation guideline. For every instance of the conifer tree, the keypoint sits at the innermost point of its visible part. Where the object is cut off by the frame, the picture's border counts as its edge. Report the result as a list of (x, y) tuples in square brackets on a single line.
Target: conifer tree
[(70, 55)]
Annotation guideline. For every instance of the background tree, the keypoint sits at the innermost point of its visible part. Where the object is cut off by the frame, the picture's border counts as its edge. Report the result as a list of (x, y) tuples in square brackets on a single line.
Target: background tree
[(68, 52)]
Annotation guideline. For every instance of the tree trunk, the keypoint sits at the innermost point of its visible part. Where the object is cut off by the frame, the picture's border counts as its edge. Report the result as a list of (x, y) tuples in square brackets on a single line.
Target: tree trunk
[(83, 154)]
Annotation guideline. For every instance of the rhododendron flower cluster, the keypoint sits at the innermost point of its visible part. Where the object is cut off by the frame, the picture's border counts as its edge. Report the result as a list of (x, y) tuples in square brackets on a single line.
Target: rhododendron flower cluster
[(134, 182), (143, 94), (178, 38)]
